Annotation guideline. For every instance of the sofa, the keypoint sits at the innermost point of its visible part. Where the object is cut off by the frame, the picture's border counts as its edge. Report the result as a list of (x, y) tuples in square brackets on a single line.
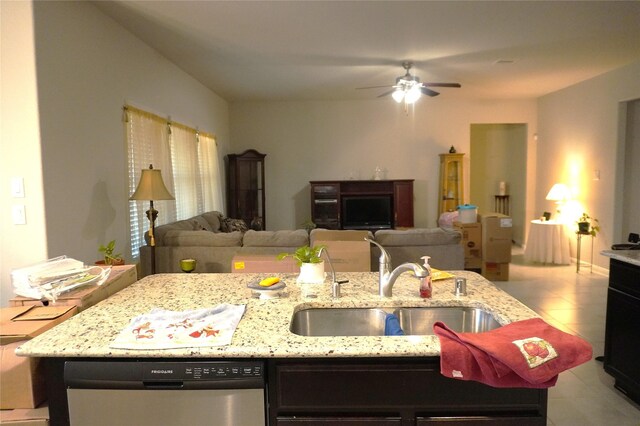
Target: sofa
[(213, 240)]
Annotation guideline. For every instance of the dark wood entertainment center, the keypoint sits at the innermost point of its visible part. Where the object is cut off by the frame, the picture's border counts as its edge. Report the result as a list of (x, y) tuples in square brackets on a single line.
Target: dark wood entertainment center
[(391, 200)]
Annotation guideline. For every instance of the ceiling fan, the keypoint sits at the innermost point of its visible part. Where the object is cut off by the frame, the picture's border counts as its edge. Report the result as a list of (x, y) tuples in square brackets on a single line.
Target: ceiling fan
[(408, 88)]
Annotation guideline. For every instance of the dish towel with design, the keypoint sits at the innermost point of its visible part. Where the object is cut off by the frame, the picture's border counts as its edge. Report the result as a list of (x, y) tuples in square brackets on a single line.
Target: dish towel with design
[(162, 329), (526, 354)]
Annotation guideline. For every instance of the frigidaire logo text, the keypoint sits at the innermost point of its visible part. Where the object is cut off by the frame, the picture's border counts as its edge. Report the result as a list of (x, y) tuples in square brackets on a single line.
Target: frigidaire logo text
[(161, 371)]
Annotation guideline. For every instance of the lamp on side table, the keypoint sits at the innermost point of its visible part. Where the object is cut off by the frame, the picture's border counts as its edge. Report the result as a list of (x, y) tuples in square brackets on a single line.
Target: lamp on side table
[(151, 187)]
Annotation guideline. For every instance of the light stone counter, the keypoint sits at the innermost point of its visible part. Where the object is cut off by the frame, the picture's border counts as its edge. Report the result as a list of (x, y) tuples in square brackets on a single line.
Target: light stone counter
[(263, 331), (628, 256)]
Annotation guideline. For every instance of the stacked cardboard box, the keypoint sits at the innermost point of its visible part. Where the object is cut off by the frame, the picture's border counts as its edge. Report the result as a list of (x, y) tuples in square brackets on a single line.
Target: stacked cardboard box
[(348, 250), (21, 380), (255, 262), (497, 234), (472, 244)]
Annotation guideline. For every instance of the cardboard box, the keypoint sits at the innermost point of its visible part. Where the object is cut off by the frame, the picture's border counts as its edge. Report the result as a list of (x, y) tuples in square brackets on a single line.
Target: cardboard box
[(471, 242), (25, 417), (24, 322), (348, 250), (494, 271), (497, 233), (21, 380), (247, 262), (84, 297)]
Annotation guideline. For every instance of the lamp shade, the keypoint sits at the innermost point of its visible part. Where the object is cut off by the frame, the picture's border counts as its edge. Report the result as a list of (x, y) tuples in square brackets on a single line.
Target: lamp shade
[(151, 186), (559, 192)]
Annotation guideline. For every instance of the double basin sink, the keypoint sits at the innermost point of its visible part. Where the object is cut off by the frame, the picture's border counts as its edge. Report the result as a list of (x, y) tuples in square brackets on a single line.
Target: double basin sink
[(371, 321)]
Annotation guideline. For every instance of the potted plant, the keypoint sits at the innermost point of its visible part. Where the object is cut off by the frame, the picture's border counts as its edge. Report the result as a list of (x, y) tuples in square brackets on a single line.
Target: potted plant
[(311, 265), (108, 253), (588, 225)]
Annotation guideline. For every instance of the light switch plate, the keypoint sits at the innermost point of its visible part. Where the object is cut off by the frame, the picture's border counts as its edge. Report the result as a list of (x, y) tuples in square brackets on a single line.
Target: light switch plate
[(17, 187), (19, 215)]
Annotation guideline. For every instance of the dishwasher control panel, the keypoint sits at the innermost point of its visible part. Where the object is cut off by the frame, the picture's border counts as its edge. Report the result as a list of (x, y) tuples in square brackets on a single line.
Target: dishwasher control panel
[(201, 370)]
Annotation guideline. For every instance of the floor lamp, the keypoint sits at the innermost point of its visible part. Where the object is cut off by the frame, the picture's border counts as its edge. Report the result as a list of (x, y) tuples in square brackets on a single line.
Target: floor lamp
[(151, 187)]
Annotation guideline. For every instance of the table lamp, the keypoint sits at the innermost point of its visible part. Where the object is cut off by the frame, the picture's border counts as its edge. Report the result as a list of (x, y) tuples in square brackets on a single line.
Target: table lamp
[(151, 187), (560, 194)]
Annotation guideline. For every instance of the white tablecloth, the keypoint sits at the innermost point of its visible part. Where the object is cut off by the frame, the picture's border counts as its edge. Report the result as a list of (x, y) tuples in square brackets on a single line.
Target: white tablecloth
[(548, 242)]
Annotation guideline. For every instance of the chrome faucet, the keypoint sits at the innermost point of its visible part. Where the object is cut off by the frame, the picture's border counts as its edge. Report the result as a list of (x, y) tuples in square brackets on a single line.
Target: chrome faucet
[(388, 277), (335, 284)]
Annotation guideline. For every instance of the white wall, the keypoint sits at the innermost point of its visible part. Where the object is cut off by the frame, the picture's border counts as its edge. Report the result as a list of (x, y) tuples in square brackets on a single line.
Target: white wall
[(19, 144), (319, 140), (580, 133), (88, 67)]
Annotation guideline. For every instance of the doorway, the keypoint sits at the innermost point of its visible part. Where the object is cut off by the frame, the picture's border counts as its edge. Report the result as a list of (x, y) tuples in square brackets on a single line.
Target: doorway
[(498, 154)]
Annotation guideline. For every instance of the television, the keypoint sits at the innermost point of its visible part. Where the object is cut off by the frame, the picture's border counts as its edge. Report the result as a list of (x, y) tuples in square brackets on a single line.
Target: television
[(367, 212)]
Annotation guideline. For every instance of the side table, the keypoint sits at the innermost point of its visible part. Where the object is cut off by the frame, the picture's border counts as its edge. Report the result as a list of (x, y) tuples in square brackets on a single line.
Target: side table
[(579, 236), (501, 204), (548, 242)]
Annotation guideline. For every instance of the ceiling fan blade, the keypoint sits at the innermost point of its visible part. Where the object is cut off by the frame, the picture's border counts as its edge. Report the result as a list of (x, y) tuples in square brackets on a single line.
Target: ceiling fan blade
[(429, 92), (387, 93), (373, 87), (442, 84)]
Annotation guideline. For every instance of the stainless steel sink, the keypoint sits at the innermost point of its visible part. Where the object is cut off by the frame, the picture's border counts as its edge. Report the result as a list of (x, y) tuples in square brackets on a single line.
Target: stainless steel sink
[(371, 321), (419, 321)]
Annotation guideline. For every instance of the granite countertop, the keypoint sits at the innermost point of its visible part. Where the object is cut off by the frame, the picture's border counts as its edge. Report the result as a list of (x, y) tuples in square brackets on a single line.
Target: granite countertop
[(263, 331), (629, 256)]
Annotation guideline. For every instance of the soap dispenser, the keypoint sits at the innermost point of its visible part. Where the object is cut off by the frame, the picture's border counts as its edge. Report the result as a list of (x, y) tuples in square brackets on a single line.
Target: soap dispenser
[(425, 283)]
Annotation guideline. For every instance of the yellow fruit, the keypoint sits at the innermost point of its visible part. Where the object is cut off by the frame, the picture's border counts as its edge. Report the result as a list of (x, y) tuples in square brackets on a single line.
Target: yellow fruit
[(268, 282)]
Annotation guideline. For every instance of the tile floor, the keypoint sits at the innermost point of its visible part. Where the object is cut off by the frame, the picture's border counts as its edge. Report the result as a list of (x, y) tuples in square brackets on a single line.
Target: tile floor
[(575, 303)]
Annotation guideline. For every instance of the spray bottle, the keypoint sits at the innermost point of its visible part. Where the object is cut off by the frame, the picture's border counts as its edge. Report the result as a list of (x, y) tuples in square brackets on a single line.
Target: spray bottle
[(425, 283)]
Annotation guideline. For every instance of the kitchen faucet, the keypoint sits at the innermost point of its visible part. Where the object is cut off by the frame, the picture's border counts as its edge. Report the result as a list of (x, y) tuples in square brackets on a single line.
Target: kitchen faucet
[(335, 284), (388, 277)]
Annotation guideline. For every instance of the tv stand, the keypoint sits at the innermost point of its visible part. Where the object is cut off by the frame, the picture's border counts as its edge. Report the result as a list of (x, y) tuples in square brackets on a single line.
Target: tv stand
[(327, 201)]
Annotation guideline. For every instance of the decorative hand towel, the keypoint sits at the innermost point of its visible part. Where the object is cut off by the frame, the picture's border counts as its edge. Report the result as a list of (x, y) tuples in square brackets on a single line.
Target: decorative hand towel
[(528, 354), (392, 326), (162, 329)]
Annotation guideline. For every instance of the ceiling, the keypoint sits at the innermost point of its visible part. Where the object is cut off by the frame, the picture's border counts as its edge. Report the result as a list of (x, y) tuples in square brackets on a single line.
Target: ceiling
[(324, 50)]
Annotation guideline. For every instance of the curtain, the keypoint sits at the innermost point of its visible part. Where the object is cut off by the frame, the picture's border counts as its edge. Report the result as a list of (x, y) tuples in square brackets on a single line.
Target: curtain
[(190, 169)]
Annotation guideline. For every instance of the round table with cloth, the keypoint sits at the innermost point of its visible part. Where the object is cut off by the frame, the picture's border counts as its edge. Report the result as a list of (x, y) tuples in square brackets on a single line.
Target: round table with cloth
[(548, 242)]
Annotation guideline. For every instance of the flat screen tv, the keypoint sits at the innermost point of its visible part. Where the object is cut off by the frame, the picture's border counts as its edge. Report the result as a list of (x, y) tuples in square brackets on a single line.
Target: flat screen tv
[(367, 212)]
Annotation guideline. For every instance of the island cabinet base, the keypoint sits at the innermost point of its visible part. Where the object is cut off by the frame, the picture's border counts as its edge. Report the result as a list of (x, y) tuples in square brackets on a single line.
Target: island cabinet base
[(399, 391)]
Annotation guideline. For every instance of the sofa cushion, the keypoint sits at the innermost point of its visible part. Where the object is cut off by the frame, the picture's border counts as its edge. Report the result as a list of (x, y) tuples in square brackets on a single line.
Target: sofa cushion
[(201, 224), (213, 218), (417, 237), (202, 238), (285, 238)]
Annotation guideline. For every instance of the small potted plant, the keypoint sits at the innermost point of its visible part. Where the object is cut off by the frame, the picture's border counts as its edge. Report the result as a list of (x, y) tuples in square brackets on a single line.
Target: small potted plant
[(311, 265), (588, 225), (108, 254)]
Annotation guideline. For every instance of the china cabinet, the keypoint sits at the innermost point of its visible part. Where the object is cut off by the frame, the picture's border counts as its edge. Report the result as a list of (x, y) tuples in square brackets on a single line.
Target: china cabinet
[(245, 188), (451, 179)]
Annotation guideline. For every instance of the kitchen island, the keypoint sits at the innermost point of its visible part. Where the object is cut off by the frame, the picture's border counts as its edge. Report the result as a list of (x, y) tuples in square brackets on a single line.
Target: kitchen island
[(394, 379), (622, 330)]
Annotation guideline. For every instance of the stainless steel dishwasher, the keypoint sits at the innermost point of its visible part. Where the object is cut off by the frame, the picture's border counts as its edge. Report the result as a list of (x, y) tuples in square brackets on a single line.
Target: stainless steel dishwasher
[(172, 393)]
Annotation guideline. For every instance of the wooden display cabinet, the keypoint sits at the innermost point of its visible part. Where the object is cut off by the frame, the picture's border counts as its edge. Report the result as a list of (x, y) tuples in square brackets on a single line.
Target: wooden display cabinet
[(245, 188), (451, 182)]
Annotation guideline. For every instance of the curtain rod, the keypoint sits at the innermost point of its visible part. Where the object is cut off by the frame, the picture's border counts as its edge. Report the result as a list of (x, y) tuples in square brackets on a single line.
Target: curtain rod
[(167, 121)]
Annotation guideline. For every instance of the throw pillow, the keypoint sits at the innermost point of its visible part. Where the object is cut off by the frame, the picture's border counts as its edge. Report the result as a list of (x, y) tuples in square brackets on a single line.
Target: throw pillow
[(228, 224)]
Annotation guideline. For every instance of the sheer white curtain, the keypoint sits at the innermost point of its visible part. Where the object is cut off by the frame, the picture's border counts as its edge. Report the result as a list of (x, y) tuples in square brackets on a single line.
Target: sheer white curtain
[(210, 173), (190, 169), (186, 171), (147, 143)]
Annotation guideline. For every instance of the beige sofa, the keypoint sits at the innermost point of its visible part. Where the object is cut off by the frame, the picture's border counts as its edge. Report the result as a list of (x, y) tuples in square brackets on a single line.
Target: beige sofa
[(214, 240)]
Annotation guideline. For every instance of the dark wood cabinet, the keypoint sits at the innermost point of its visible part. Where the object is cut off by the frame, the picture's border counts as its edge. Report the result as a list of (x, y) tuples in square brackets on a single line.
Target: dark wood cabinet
[(246, 187), (394, 391), (350, 204), (622, 331)]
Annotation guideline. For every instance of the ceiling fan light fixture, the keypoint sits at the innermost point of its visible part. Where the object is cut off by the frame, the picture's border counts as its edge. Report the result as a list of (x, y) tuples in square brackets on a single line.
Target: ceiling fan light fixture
[(398, 95), (413, 94)]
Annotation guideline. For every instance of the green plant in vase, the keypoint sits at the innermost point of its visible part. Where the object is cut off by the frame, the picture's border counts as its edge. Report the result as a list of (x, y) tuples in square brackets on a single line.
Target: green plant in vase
[(304, 254), (311, 266), (110, 258), (588, 225)]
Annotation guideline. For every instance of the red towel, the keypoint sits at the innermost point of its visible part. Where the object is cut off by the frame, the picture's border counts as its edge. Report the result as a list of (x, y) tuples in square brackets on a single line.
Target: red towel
[(527, 354)]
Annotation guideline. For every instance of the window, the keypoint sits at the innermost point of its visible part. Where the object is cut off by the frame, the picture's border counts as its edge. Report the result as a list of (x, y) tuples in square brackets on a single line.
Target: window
[(190, 169)]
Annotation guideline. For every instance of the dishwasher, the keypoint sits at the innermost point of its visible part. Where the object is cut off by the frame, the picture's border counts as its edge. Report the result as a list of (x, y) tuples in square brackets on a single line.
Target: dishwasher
[(171, 393)]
